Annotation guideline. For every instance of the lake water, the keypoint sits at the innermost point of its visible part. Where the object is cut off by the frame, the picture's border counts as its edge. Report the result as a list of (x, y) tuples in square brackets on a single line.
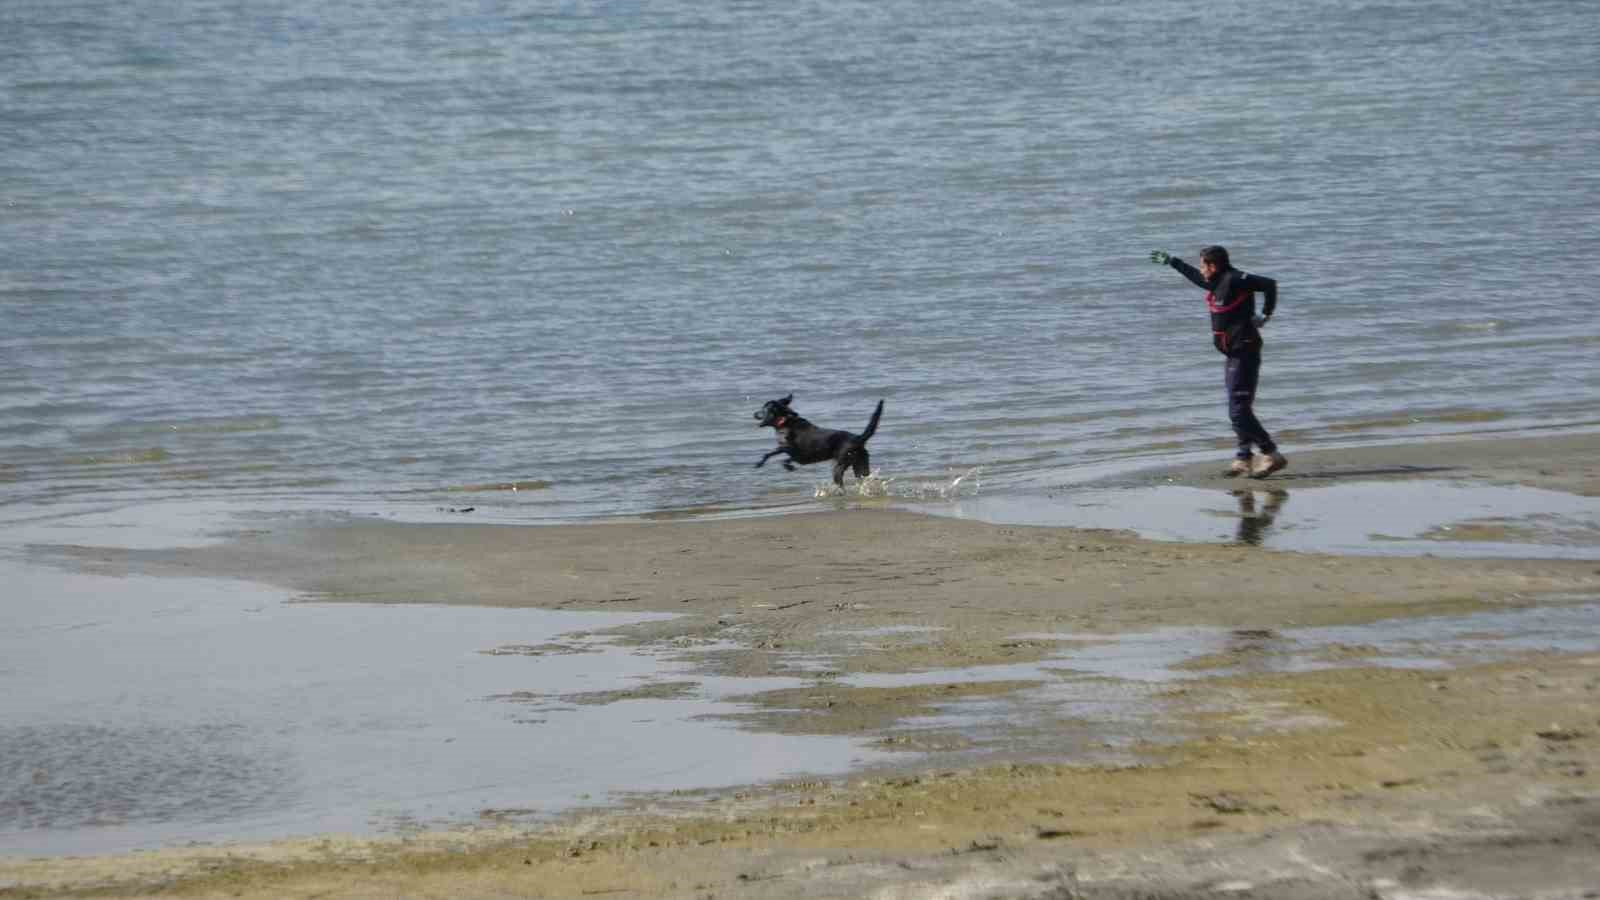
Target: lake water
[(543, 260), (413, 255)]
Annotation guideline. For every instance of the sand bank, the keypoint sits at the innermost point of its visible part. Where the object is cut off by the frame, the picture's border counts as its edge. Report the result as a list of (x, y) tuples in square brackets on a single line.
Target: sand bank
[(1352, 780)]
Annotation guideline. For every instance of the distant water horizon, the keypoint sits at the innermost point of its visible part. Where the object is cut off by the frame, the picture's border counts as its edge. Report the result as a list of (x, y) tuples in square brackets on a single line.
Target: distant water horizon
[(548, 260)]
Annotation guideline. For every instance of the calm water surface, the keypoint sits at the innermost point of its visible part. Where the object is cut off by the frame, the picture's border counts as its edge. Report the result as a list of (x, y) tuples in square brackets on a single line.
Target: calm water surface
[(141, 712)]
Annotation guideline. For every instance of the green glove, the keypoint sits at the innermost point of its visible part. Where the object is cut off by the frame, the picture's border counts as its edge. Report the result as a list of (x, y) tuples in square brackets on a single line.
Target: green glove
[(1159, 257)]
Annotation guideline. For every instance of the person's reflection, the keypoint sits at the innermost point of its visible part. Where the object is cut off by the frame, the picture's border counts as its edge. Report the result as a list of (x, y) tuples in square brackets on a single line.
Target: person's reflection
[(1254, 521)]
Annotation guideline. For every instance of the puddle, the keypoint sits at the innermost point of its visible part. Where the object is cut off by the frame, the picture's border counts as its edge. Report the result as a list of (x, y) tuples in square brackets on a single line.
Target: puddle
[(137, 713), (1395, 518), (1436, 643), (1103, 693)]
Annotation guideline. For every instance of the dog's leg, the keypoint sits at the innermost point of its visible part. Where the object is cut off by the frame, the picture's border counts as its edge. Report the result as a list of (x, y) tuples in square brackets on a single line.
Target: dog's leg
[(860, 463), (771, 454), (839, 467)]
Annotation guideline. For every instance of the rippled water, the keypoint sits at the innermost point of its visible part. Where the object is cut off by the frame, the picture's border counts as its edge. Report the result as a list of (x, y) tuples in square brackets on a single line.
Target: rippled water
[(423, 253)]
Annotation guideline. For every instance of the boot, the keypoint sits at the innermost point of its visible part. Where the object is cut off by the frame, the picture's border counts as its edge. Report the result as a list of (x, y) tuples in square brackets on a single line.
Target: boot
[(1267, 463)]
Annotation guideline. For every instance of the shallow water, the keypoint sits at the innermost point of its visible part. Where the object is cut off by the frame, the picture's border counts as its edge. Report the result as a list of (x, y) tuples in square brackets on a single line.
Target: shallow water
[(1399, 517), (1105, 692), (1406, 517), (140, 712), (137, 712)]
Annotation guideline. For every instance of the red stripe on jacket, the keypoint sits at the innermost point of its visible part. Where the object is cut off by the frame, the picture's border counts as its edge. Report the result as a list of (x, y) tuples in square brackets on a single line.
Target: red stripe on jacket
[(1218, 309)]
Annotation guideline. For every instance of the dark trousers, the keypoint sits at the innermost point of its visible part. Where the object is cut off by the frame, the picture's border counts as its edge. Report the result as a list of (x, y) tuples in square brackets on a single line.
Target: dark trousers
[(1240, 374)]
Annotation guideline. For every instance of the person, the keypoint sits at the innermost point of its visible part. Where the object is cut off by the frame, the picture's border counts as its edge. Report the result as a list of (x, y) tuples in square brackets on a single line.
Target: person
[(1236, 333)]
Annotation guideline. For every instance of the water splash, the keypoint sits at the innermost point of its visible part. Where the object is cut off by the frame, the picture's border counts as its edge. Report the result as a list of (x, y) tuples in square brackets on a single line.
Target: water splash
[(878, 485), (970, 478)]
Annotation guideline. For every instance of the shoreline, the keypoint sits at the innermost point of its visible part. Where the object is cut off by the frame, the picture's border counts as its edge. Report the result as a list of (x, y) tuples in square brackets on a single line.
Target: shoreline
[(1443, 795), (1249, 760)]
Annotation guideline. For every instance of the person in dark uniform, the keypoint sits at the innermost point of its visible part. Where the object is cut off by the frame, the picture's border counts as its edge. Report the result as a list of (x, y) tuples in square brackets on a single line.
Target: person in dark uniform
[(1236, 333)]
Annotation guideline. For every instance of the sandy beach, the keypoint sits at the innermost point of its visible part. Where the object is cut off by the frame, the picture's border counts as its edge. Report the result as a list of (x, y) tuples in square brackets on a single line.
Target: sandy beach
[(1353, 777)]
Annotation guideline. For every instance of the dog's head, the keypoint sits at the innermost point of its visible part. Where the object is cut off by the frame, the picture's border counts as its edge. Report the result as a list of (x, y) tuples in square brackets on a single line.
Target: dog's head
[(775, 413)]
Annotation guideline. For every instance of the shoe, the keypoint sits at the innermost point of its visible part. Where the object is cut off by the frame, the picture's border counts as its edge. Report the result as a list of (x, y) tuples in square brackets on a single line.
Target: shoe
[(1239, 467), (1267, 463)]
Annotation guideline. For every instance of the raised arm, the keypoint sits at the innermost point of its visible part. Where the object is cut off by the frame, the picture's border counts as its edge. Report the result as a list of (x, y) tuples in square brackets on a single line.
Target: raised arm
[(1163, 258)]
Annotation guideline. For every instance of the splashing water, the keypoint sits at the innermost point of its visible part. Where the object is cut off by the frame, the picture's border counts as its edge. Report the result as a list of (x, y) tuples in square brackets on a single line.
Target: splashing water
[(878, 485), (970, 478)]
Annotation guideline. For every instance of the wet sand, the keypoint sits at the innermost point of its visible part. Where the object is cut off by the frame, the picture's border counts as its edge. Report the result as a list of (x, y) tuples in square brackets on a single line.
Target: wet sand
[(1356, 781)]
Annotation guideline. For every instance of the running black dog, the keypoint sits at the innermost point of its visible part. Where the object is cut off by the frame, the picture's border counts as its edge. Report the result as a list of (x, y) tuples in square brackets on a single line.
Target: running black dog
[(806, 443)]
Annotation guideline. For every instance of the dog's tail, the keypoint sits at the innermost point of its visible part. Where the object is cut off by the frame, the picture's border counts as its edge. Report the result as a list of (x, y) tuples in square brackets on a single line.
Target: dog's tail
[(872, 425)]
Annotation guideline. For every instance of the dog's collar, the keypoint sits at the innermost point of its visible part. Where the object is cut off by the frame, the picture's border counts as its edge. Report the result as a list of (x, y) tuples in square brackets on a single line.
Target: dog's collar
[(779, 422)]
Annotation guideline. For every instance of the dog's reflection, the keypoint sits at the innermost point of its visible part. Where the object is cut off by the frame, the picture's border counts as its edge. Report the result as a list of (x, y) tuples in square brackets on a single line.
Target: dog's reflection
[(1254, 520)]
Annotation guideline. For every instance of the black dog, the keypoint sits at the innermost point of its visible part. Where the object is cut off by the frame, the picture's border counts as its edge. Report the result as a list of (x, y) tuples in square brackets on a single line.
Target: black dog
[(806, 443)]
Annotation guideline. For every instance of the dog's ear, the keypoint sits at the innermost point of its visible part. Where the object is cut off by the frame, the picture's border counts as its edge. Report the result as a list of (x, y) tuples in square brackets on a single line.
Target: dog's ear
[(785, 401)]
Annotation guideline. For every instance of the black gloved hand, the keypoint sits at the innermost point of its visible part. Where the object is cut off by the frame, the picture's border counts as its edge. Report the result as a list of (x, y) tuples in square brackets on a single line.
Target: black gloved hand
[(1159, 257)]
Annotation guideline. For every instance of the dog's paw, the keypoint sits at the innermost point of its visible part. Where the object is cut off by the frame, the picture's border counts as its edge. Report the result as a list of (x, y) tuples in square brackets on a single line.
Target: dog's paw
[(788, 466)]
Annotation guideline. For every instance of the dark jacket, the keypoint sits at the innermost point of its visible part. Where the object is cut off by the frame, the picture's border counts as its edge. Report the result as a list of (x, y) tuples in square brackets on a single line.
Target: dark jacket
[(1231, 298)]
